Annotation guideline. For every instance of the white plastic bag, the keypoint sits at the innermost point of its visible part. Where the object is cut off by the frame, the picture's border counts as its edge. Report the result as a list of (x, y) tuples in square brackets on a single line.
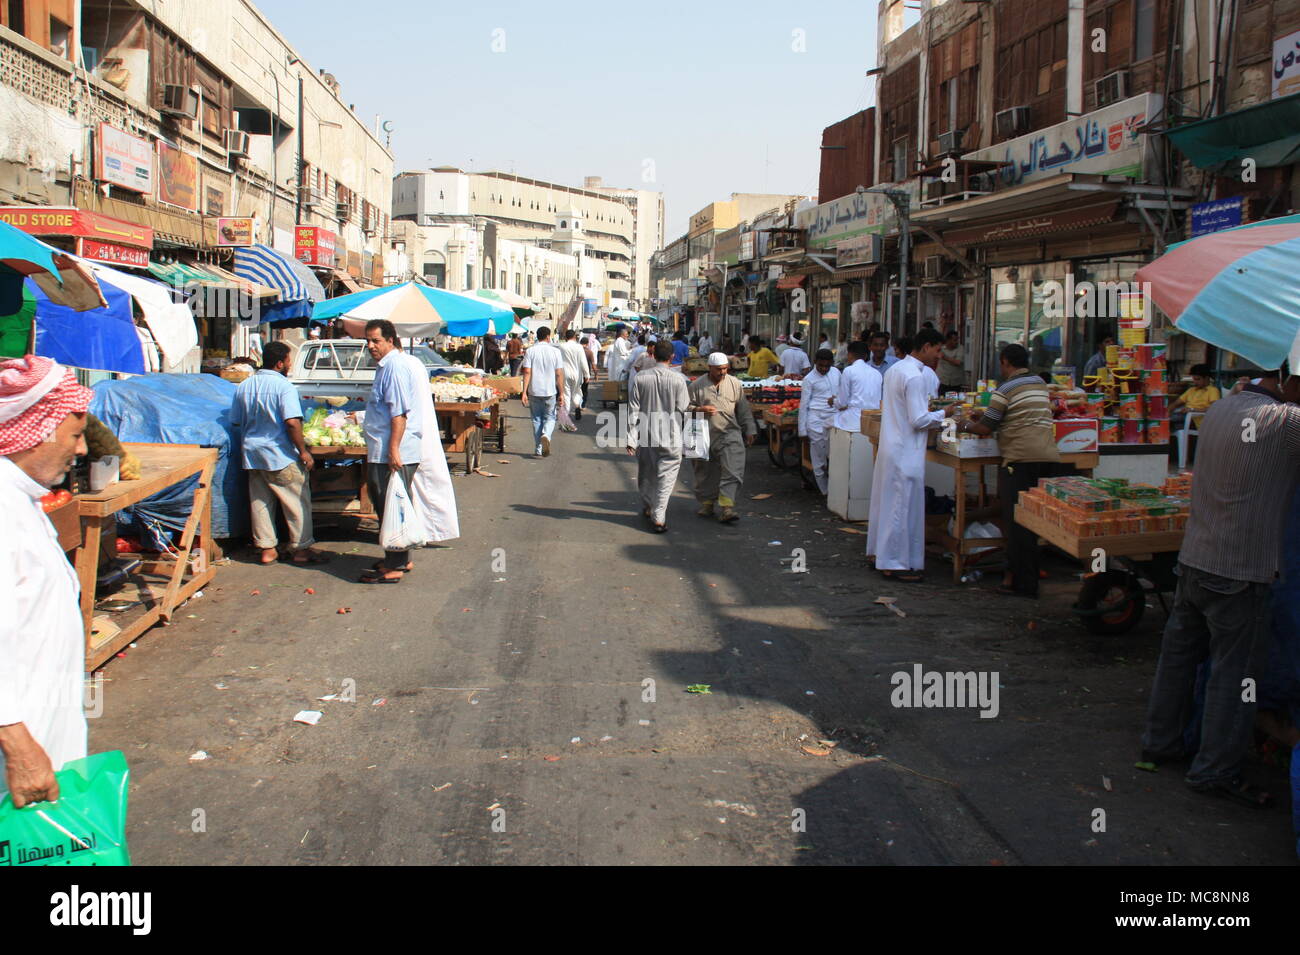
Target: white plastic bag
[(403, 527), (695, 437)]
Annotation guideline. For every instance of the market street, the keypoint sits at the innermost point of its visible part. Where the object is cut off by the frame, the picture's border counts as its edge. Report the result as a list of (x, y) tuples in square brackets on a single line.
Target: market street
[(489, 674)]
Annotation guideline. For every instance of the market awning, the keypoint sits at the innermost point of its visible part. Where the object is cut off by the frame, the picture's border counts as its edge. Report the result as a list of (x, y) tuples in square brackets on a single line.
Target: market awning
[(1268, 133), (171, 324), (255, 289), (179, 274), (787, 282)]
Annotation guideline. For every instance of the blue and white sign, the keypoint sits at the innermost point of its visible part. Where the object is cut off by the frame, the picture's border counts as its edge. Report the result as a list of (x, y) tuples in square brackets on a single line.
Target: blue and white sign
[(1216, 216), (1104, 142)]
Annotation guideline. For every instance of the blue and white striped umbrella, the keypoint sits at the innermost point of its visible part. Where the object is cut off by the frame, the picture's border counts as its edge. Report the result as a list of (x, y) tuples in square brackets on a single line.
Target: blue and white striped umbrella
[(293, 280)]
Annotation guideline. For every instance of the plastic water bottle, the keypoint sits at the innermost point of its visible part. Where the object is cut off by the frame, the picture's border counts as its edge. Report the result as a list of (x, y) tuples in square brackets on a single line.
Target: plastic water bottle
[(971, 576)]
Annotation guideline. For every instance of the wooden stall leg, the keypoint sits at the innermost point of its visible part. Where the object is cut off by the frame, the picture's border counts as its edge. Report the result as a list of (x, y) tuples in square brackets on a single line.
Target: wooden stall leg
[(88, 570), (201, 511), (959, 529)]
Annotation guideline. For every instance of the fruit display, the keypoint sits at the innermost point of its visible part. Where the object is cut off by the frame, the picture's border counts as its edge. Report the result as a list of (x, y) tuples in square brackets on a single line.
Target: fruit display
[(467, 388)]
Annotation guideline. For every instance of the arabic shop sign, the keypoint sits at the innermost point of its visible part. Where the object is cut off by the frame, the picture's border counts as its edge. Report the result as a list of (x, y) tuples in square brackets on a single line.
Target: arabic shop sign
[(859, 250), (859, 213), (1216, 216), (1105, 142), (1286, 65), (1014, 229)]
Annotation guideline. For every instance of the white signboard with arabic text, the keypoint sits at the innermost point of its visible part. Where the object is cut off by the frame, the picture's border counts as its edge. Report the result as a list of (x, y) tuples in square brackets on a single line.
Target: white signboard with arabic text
[(1105, 142), (1286, 65)]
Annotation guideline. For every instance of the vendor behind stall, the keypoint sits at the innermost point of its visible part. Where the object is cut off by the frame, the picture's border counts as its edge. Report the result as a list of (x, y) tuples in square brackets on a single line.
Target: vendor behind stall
[(1196, 399), (1020, 411)]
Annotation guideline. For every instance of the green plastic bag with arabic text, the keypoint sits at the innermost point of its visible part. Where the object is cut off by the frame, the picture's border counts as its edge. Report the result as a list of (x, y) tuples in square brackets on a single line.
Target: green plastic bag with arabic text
[(87, 826)]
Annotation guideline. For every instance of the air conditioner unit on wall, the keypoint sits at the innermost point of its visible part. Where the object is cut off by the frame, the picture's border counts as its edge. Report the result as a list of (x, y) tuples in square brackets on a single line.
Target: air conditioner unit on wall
[(236, 142), (950, 142), (309, 197), (342, 211), (1111, 88), (935, 266), (1012, 122), (179, 101)]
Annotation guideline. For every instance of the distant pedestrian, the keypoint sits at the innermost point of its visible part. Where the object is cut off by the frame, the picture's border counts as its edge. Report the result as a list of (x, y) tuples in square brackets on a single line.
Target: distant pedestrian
[(817, 399), (267, 412), (952, 363), (656, 401), (731, 429), (681, 349), (492, 360), (576, 370), (543, 369), (515, 353)]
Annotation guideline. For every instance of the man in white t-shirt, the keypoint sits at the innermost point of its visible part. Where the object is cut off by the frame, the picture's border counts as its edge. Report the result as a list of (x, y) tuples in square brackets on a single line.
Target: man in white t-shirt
[(543, 388), (795, 362)]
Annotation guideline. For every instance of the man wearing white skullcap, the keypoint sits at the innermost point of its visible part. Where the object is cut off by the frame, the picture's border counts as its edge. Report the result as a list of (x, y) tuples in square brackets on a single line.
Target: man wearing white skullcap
[(42, 640), (731, 430)]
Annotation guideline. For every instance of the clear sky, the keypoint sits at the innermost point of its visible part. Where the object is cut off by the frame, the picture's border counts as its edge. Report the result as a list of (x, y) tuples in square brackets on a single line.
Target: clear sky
[(707, 97)]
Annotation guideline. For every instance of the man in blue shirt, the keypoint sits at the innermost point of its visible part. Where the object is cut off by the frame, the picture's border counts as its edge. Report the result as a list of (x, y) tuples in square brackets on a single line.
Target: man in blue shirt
[(394, 430), (268, 414), (681, 349)]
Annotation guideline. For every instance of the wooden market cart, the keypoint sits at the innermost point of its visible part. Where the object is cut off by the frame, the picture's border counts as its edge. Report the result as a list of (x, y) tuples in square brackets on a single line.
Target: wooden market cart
[(341, 490), (180, 576), (785, 448), (962, 547), (1111, 601), (459, 421)]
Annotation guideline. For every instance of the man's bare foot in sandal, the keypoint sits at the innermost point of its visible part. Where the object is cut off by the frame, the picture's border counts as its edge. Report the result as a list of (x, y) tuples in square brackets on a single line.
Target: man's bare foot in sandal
[(309, 555), (268, 555)]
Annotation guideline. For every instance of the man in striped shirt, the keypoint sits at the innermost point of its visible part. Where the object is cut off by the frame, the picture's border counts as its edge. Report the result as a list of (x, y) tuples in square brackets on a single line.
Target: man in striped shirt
[(1246, 471), (1020, 411)]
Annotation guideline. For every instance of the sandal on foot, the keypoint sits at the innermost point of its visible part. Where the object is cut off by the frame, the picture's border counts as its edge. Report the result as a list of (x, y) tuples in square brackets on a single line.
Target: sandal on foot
[(313, 557), (903, 576), (378, 579), (379, 567)]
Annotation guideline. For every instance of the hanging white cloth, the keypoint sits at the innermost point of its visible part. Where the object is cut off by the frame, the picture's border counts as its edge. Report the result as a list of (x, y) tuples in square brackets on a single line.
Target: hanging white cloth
[(432, 492), (896, 534)]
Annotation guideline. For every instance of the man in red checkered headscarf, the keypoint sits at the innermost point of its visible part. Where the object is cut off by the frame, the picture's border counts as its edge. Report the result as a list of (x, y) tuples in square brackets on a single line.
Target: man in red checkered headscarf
[(42, 640)]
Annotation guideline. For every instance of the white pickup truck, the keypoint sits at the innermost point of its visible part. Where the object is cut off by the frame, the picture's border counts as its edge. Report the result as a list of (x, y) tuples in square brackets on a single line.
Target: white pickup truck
[(342, 367)]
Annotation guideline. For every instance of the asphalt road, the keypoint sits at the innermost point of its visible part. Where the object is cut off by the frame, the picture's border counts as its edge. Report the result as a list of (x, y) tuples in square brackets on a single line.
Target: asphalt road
[(517, 725)]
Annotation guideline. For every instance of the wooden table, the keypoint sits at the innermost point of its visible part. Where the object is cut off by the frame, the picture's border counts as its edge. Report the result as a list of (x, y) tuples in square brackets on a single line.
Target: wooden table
[(958, 543), (460, 418), (161, 467), (779, 428)]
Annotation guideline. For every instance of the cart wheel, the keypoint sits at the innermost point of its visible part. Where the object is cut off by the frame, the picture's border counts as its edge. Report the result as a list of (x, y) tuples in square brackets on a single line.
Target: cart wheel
[(1111, 603)]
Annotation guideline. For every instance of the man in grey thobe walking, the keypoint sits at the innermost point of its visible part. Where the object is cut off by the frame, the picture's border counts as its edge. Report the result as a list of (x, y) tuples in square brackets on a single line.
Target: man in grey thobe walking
[(657, 400)]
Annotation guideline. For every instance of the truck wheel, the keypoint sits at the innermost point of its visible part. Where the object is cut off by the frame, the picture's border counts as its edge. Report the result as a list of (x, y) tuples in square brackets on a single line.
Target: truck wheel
[(1111, 603)]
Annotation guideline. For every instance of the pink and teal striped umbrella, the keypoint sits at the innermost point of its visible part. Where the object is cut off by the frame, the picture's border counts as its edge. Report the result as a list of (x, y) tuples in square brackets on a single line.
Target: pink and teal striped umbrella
[(1238, 289)]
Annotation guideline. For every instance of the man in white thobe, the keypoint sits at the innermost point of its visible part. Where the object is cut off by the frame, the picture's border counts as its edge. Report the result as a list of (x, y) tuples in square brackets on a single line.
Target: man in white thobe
[(576, 372), (860, 390), (616, 354), (656, 404), (432, 491), (821, 388), (634, 356), (896, 535), (42, 640), (705, 347)]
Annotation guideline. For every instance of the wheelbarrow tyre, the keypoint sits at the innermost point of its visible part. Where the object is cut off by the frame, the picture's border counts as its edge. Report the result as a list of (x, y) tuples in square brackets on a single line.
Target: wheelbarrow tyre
[(1111, 603)]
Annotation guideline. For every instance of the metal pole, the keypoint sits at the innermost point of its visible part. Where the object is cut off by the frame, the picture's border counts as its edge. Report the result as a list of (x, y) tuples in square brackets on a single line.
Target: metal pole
[(904, 251), (297, 208)]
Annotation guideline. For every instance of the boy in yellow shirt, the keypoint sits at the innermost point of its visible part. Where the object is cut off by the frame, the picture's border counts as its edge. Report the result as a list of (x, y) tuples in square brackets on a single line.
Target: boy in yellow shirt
[(1197, 398)]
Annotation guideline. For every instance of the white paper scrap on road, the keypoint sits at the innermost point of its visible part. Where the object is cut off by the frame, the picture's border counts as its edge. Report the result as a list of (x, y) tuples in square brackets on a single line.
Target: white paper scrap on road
[(310, 717)]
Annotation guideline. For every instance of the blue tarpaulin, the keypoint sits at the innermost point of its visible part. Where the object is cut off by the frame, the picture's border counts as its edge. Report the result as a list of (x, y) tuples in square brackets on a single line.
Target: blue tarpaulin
[(179, 409), (103, 339)]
